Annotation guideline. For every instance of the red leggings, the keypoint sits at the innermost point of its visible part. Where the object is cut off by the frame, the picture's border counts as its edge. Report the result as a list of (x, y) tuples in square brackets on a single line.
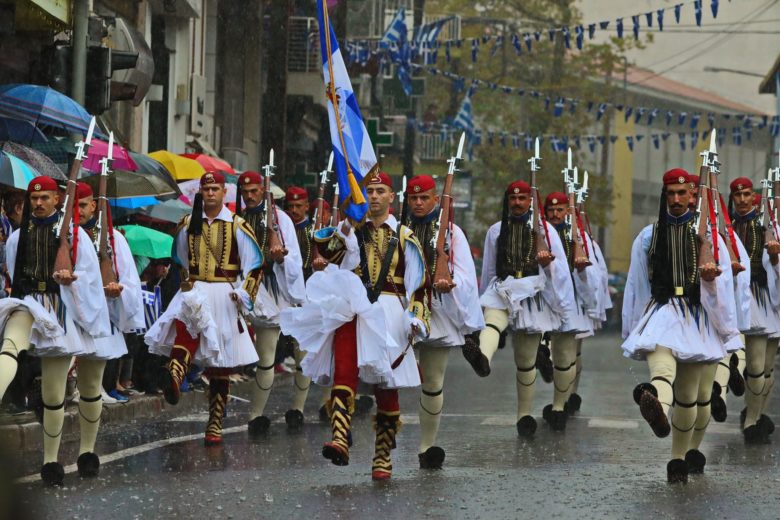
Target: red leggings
[(190, 343), (345, 367)]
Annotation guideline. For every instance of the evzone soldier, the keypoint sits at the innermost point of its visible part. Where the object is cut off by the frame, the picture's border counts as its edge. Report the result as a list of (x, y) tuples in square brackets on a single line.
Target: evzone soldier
[(586, 277), (204, 322), (282, 287), (761, 340), (55, 315), (679, 317), (455, 310), (361, 319), (524, 287)]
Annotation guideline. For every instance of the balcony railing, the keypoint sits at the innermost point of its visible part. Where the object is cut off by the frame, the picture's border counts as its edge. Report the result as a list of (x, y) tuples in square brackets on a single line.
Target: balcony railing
[(303, 45)]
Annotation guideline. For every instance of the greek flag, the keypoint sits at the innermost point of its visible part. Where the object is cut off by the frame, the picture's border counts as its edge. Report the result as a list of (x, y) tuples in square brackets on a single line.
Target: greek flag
[(396, 31), (426, 35), (463, 119), (353, 151)]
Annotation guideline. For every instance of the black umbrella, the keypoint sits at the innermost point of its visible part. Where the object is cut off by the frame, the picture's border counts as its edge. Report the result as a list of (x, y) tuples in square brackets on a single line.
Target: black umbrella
[(148, 166)]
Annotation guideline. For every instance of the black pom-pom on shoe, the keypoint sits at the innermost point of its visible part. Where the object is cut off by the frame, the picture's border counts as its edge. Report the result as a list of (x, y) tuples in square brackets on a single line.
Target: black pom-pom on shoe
[(718, 405), (259, 426), (640, 389), (766, 424), (573, 404), (88, 464), (677, 471), (363, 405), (755, 435), (323, 413), (294, 419), (736, 380), (546, 411), (432, 458), (696, 461), (53, 474), (526, 427), (544, 363)]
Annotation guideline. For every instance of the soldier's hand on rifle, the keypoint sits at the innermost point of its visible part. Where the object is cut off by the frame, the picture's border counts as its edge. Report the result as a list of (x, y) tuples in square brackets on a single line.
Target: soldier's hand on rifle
[(319, 264), (709, 271), (581, 262), (444, 286), (277, 254), (113, 290), (773, 248), (544, 258), (736, 268), (64, 277)]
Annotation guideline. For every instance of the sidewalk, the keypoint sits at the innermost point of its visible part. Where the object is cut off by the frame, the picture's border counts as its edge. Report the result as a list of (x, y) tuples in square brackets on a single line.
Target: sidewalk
[(23, 432)]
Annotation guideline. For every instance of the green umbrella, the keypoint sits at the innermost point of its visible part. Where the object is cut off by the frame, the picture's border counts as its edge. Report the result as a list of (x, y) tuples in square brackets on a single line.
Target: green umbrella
[(147, 242)]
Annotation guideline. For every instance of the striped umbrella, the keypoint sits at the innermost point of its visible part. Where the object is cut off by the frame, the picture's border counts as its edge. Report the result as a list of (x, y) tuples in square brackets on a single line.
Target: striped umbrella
[(15, 172), (43, 106)]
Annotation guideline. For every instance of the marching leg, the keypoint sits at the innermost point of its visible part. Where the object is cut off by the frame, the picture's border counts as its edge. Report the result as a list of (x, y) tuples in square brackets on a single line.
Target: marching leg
[(686, 392), (179, 363), (433, 361), (695, 458), (90, 410), (655, 398), (719, 388), (387, 423), (16, 339), (265, 344), (479, 356), (755, 358), (525, 346), (574, 402), (342, 395), (294, 416), (54, 372), (564, 351), (769, 382), (219, 390)]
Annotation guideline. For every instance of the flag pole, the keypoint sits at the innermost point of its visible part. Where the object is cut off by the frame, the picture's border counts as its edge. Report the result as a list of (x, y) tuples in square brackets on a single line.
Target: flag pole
[(357, 193)]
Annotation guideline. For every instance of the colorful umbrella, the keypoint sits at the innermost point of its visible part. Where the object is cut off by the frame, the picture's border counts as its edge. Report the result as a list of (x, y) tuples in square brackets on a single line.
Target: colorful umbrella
[(99, 149), (144, 241), (20, 131), (210, 164), (123, 184), (134, 202), (43, 106), (190, 188), (40, 162), (15, 172), (180, 167), (168, 210), (148, 166)]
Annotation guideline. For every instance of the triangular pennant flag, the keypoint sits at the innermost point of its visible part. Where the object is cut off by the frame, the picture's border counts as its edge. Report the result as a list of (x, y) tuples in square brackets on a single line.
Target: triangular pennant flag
[(627, 113), (515, 141), (774, 127), (711, 119), (681, 118), (763, 122), (474, 49), (578, 31), (529, 142), (677, 9), (652, 115), (639, 137), (577, 141), (695, 120), (669, 115), (517, 45), (697, 11), (665, 136), (572, 106), (601, 140), (591, 30), (591, 143), (538, 35), (619, 22), (721, 136), (704, 135), (527, 39), (551, 33), (502, 139), (613, 138), (736, 135), (603, 25), (590, 106), (635, 22), (681, 135), (649, 18), (558, 110), (714, 7), (639, 113), (499, 43), (656, 141), (566, 37), (660, 16), (694, 139), (630, 142), (601, 110)]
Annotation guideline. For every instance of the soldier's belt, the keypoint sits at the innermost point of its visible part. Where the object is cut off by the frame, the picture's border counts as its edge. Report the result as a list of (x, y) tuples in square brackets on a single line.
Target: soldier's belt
[(31, 285), (212, 278)]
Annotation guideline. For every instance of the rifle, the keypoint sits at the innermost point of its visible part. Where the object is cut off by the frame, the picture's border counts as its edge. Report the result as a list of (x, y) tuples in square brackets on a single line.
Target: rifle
[(706, 255), (538, 221), (578, 242), (441, 270), (64, 260), (104, 244), (271, 224), (717, 203), (334, 207), (317, 262)]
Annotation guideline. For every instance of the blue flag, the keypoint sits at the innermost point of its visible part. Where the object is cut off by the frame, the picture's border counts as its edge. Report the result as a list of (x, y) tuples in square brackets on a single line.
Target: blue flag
[(353, 152), (463, 119)]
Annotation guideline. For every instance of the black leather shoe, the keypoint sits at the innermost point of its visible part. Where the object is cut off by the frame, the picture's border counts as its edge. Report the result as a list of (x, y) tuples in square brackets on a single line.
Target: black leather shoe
[(478, 361), (653, 413)]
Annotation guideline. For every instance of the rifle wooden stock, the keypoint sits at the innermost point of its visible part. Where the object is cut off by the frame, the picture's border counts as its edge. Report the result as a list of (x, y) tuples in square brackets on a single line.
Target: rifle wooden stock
[(64, 260), (106, 262), (579, 247), (442, 268), (705, 245), (272, 226)]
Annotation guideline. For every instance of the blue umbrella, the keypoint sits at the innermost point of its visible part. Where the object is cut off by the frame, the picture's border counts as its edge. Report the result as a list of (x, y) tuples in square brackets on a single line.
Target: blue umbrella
[(20, 131), (134, 202), (43, 105), (15, 172)]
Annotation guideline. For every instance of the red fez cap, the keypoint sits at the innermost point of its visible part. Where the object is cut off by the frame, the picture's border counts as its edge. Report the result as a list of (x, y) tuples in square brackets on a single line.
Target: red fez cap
[(325, 205), (381, 178), (420, 183), (694, 179), (212, 178), (250, 178), (296, 193), (42, 183), (518, 187), (83, 190), (741, 183), (676, 176), (556, 198)]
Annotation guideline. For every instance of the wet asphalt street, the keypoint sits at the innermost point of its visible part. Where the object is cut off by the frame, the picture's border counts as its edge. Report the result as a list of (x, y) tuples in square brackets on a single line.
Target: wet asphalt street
[(607, 464)]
